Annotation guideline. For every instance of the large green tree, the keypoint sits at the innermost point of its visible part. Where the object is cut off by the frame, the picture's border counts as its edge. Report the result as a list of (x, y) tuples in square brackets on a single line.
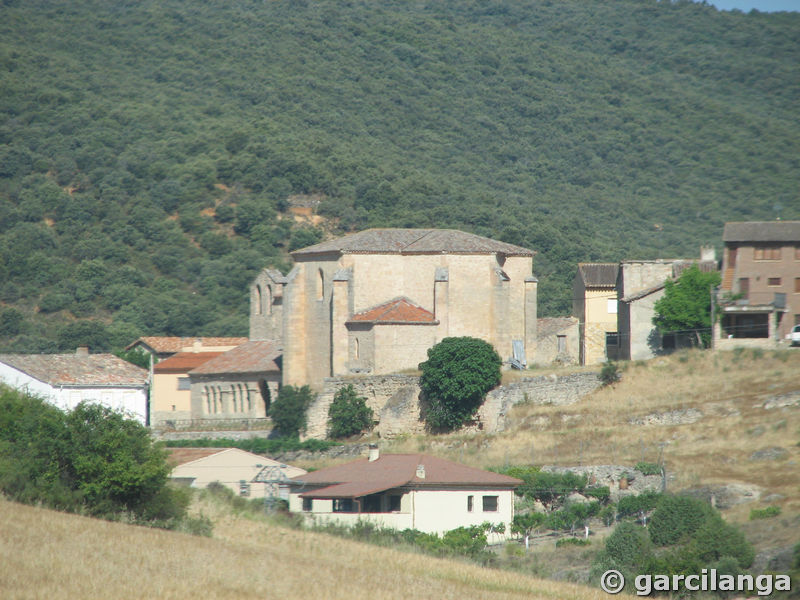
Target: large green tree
[(686, 305), (455, 378), (348, 413), (288, 412)]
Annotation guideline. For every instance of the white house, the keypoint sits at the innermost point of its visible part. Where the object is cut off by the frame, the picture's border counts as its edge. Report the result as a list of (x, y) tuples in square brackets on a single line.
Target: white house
[(405, 491), (66, 380), (245, 473)]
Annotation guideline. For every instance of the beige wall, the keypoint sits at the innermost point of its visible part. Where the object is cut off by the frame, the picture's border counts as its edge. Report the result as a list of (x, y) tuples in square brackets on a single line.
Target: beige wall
[(229, 467), (231, 397), (758, 273), (474, 301), (598, 321), (167, 402), (430, 511)]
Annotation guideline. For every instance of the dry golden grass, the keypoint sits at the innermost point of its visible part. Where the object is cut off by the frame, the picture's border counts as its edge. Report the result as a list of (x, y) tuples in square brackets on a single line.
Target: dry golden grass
[(45, 554)]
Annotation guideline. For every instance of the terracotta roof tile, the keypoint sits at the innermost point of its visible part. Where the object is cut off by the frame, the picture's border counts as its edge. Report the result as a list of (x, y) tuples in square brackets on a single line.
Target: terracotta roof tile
[(394, 470), (183, 362), (414, 241), (397, 311), (252, 357), (181, 456), (76, 369), (176, 344)]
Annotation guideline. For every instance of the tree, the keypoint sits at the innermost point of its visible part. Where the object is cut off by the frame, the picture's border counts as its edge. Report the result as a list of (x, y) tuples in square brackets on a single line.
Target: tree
[(686, 305), (455, 378), (288, 412), (348, 413)]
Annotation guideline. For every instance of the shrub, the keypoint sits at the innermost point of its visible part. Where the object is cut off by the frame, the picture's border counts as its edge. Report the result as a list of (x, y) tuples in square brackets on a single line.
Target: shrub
[(632, 505), (676, 517), (348, 413), (610, 373), (646, 468), (548, 488), (572, 541), (628, 547), (455, 378), (288, 412), (765, 513)]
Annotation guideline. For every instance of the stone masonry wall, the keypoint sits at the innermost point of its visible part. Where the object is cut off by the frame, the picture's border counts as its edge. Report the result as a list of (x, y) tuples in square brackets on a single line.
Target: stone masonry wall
[(394, 400)]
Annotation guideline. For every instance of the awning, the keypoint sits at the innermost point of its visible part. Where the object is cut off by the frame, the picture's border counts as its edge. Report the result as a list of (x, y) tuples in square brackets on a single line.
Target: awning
[(352, 489)]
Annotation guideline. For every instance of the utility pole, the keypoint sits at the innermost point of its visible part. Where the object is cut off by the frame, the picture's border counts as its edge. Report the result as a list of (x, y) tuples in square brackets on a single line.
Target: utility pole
[(713, 314)]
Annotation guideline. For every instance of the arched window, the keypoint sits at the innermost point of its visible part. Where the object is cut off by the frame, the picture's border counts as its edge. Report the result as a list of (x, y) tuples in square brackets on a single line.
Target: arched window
[(214, 398), (257, 299), (233, 398), (320, 285), (268, 301), (242, 391), (356, 349), (208, 400)]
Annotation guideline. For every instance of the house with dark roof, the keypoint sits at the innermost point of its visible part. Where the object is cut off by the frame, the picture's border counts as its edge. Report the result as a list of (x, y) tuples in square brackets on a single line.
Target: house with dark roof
[(760, 292), (404, 491), (594, 304), (373, 302), (66, 380), (244, 473)]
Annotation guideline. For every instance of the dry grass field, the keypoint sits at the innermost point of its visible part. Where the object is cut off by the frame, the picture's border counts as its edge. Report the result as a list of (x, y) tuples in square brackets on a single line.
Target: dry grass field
[(51, 555)]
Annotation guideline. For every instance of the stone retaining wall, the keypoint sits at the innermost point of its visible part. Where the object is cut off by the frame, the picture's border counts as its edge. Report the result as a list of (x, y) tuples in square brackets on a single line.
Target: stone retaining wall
[(395, 400)]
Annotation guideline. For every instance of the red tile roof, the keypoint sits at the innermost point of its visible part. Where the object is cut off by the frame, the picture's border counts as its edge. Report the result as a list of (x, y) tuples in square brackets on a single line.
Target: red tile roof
[(414, 241), (363, 476), (397, 311), (163, 344), (252, 357), (77, 369), (183, 362)]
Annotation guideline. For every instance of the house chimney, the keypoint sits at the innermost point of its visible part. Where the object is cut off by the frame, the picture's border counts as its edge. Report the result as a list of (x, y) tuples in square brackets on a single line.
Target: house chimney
[(82, 351), (420, 471), (708, 253), (374, 453)]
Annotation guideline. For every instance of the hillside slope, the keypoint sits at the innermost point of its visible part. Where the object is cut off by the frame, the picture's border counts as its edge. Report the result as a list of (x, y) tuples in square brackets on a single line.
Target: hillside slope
[(54, 555), (147, 150)]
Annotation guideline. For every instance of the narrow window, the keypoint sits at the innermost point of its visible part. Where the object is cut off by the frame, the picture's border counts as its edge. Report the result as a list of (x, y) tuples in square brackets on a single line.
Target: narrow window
[(357, 350), (308, 504), (797, 285), (470, 503), (562, 343), (267, 301), (257, 299), (744, 287), (320, 285), (490, 504), (208, 400)]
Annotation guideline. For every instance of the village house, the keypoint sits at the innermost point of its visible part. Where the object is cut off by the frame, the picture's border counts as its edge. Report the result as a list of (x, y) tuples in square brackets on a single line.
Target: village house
[(594, 304), (760, 292), (375, 301), (160, 347), (244, 473), (171, 390), (404, 491), (66, 380)]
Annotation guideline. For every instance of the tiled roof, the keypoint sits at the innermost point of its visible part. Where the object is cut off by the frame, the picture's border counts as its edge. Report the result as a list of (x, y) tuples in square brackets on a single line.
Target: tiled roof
[(251, 357), (181, 456), (77, 369), (176, 344), (414, 241), (183, 362), (362, 476), (599, 274), (762, 231), (645, 292), (397, 311)]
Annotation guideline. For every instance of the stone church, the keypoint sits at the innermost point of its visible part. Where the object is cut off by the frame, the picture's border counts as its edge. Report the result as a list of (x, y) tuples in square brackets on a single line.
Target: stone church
[(373, 302)]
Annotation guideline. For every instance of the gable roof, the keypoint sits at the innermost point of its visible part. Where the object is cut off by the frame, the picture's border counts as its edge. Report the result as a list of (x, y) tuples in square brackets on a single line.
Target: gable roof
[(183, 362), (78, 369), (599, 274), (166, 344), (398, 311), (251, 357), (362, 476), (413, 241), (762, 231), (182, 456)]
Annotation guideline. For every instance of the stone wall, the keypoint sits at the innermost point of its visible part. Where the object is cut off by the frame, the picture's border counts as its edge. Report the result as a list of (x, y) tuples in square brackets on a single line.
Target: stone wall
[(395, 402)]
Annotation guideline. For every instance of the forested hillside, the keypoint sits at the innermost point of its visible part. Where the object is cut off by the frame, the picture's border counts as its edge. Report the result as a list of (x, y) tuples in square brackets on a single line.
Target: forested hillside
[(148, 149)]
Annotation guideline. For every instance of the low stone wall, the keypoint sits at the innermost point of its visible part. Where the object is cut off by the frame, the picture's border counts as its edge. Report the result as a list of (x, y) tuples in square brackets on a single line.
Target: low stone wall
[(395, 400)]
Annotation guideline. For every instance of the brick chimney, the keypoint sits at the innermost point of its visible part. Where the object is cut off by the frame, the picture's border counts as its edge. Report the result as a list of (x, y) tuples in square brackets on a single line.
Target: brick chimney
[(420, 471)]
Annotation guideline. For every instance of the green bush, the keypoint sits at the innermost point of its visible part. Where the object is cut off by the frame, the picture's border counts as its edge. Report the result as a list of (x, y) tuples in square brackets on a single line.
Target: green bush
[(610, 373), (572, 541), (628, 547), (677, 517), (288, 412), (348, 414), (455, 378), (633, 505), (546, 487), (765, 513), (646, 468)]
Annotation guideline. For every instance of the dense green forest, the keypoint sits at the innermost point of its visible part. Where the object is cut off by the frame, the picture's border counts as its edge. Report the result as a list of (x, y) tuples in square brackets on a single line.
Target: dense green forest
[(148, 149)]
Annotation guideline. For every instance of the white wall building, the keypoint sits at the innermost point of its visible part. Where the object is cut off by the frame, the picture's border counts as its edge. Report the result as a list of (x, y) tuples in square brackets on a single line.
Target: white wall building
[(405, 491), (66, 380)]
